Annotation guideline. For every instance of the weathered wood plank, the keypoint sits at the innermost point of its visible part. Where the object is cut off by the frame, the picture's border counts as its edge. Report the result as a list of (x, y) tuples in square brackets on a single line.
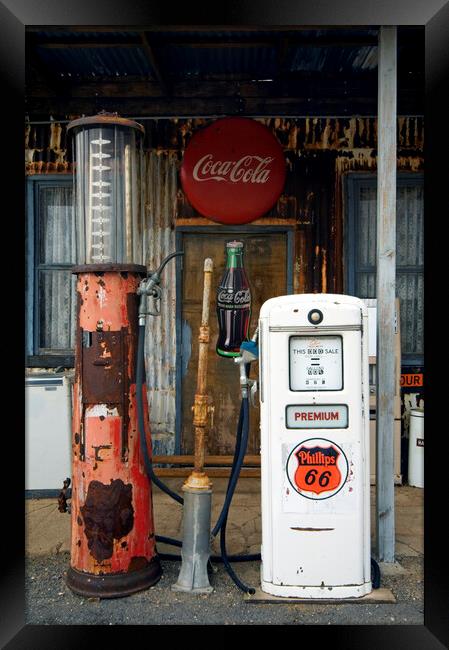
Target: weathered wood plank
[(385, 291), (187, 107), (210, 460), (217, 472), (135, 86), (263, 221), (376, 596)]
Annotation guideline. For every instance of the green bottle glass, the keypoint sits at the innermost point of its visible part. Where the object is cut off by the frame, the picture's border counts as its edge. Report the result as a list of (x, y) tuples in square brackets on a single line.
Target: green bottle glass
[(233, 303)]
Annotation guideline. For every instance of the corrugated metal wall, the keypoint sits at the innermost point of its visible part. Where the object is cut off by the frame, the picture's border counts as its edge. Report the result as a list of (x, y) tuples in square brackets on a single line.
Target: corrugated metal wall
[(319, 152), (160, 348)]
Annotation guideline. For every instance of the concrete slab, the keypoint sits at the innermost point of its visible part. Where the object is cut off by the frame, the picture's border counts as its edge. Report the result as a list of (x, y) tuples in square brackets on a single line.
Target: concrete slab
[(48, 531), (376, 596), (404, 549), (391, 568)]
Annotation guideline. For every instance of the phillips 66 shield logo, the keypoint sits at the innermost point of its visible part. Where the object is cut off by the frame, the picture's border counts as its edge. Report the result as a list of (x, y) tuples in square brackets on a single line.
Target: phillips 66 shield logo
[(317, 468)]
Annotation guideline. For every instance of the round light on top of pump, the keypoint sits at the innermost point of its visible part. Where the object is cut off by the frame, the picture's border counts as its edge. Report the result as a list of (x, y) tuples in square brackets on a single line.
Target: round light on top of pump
[(315, 316)]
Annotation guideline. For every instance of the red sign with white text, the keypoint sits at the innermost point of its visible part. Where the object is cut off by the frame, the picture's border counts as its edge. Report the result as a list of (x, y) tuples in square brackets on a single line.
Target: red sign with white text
[(233, 170), (317, 469)]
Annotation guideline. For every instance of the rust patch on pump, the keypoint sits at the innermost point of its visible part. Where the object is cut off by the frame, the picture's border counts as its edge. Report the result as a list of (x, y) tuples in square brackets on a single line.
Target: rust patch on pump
[(103, 365), (137, 563), (108, 514)]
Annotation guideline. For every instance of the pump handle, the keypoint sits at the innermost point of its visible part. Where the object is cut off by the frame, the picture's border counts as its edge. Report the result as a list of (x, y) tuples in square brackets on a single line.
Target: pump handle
[(150, 287)]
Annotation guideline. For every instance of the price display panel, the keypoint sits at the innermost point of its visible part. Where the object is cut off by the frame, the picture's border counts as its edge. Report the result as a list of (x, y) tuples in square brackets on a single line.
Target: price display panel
[(316, 363)]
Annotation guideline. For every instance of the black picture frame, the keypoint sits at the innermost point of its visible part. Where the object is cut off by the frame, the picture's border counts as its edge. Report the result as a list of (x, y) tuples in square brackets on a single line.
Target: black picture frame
[(434, 14)]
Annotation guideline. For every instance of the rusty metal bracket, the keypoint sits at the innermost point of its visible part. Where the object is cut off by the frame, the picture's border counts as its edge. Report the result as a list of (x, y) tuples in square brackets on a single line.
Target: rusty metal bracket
[(63, 506), (97, 450)]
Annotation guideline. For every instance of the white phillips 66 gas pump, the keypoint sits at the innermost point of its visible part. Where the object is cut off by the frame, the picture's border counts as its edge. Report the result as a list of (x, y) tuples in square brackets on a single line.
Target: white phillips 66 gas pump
[(315, 446)]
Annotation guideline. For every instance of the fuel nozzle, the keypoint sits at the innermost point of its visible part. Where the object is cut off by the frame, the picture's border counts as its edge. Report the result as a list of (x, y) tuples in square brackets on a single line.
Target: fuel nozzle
[(150, 287), (249, 351)]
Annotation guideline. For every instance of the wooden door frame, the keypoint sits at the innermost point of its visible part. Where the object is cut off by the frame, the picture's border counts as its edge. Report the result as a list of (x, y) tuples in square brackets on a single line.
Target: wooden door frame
[(180, 232)]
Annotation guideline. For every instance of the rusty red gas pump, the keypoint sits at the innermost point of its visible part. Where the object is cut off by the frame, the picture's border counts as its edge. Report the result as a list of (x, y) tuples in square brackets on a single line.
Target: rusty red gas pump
[(113, 550)]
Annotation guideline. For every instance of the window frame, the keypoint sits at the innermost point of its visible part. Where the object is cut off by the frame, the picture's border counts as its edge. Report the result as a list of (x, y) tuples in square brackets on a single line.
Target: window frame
[(353, 181), (34, 358)]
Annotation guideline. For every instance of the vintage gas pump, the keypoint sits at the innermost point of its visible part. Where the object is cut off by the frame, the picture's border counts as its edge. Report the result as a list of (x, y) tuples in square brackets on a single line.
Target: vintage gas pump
[(113, 543), (314, 403)]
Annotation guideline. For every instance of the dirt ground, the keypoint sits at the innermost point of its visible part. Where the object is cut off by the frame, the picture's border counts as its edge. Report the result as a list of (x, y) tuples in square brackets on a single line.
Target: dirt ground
[(50, 602)]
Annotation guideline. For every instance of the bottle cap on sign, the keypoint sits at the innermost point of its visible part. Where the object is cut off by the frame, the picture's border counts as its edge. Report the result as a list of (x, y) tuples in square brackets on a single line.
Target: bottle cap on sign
[(234, 244)]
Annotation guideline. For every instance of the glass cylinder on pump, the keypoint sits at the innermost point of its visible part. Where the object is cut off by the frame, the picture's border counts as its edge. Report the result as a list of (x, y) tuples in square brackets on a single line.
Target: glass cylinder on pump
[(108, 153)]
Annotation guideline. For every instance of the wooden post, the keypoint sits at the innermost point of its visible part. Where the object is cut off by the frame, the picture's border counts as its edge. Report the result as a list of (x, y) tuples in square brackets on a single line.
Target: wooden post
[(385, 290), (202, 410)]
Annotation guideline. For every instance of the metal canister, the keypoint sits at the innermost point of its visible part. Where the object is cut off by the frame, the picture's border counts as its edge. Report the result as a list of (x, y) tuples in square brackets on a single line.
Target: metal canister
[(416, 448)]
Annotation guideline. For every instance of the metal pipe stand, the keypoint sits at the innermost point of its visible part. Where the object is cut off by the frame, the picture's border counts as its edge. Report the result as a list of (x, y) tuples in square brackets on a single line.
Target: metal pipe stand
[(195, 552)]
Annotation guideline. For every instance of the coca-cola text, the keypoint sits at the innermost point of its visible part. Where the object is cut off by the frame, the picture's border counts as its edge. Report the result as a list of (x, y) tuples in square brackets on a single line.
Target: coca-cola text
[(248, 169)]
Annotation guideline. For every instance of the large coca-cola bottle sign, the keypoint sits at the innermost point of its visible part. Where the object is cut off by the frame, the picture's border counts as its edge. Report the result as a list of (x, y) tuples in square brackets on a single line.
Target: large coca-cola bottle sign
[(233, 303), (233, 171)]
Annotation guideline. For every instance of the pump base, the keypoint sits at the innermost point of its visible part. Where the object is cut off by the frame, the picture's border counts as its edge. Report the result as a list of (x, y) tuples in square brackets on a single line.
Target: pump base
[(317, 592), (115, 585), (195, 542)]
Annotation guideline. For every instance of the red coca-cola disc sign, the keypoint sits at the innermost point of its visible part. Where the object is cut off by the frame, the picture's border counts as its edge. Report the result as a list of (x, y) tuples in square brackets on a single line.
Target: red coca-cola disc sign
[(233, 170)]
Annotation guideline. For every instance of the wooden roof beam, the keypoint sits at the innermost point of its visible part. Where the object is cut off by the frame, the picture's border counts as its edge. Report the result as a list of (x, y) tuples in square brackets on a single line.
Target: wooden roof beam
[(193, 28), (282, 51), (155, 66), (78, 45)]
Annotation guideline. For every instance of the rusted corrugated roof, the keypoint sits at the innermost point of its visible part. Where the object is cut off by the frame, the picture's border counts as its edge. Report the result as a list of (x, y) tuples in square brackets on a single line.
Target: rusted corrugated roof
[(189, 62), (334, 59), (193, 53), (88, 63)]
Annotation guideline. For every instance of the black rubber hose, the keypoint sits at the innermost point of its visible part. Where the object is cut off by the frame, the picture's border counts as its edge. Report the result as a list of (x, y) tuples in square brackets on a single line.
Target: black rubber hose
[(234, 467), (214, 558), (375, 574), (237, 463), (140, 373), (226, 561), (243, 444), (169, 540)]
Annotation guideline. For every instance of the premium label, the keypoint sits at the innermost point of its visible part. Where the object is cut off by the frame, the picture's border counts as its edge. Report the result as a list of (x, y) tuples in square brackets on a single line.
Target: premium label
[(329, 416)]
